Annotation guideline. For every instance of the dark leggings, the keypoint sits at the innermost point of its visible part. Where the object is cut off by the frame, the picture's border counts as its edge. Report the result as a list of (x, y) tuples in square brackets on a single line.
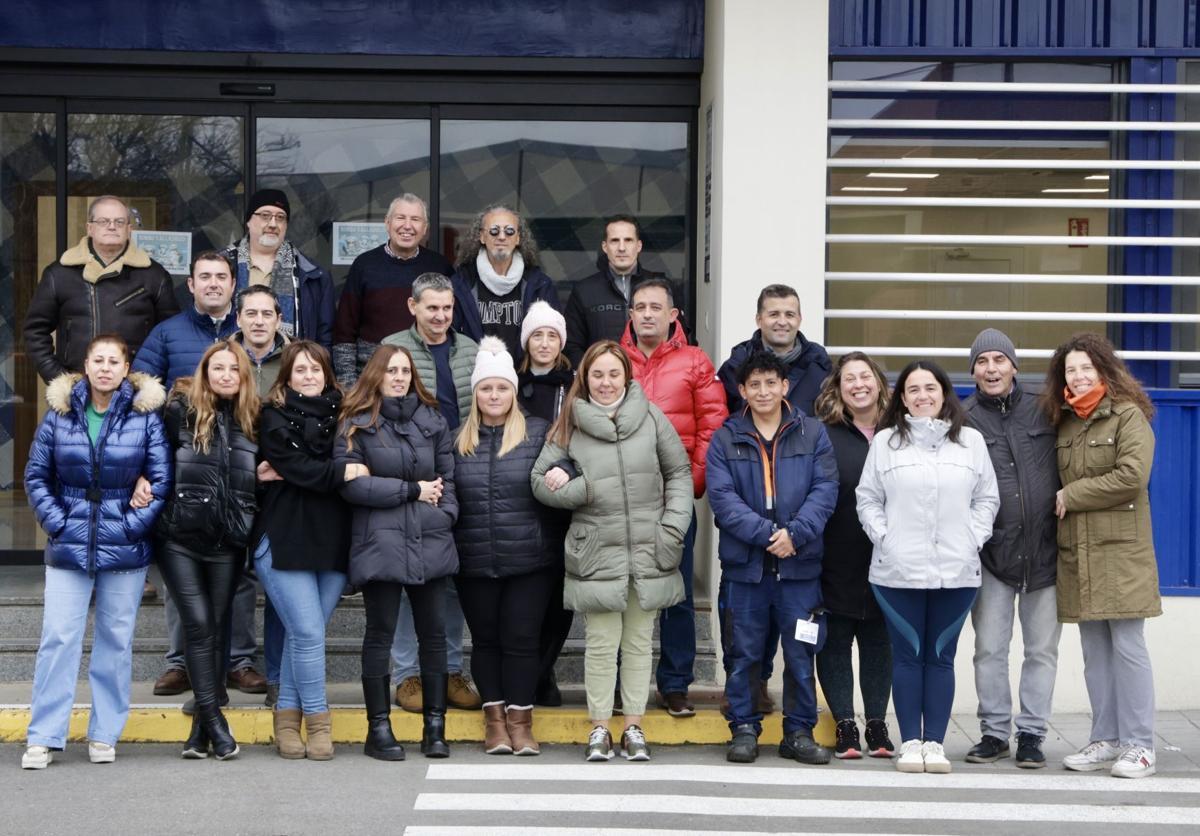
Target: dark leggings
[(381, 602), (556, 626), (505, 617), (202, 587), (836, 671), (924, 625)]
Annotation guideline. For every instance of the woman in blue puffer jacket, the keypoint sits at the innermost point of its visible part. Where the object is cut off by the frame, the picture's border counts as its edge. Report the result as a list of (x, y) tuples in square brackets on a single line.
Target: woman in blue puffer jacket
[(101, 433)]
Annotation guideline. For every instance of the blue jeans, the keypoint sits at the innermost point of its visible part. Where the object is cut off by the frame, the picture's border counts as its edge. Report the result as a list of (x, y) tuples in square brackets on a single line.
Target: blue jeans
[(677, 629), (304, 601), (110, 670), (924, 625), (752, 611), (404, 645)]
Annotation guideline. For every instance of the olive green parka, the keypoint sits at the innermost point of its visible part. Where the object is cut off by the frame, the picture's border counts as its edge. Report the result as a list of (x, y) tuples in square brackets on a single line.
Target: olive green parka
[(1106, 564), (631, 504)]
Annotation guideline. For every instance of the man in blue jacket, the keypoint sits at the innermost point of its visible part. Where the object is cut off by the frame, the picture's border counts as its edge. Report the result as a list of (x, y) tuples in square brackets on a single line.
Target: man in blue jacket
[(496, 278), (772, 485)]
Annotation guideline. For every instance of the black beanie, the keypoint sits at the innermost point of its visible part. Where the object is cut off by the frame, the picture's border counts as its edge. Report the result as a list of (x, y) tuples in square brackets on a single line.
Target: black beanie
[(267, 197)]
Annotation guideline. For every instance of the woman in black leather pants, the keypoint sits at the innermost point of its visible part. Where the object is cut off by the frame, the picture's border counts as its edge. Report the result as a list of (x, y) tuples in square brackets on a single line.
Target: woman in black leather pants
[(210, 424)]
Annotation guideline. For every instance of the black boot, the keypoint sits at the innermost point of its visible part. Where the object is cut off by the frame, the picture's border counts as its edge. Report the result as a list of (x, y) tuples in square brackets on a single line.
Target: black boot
[(433, 735), (381, 743), (743, 747), (196, 747), (216, 727)]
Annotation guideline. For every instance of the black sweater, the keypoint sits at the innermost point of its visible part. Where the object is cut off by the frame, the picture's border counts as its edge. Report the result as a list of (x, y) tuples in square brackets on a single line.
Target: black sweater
[(847, 557), (544, 394)]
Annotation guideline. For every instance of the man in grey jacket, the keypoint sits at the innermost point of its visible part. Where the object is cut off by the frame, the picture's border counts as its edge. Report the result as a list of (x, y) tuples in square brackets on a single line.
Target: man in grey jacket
[(1019, 561)]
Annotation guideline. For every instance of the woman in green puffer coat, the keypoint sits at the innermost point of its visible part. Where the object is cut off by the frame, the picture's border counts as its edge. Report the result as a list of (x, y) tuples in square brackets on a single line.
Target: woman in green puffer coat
[(616, 462)]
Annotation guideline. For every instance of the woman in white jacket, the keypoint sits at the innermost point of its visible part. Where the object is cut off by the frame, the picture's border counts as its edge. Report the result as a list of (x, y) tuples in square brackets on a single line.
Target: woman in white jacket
[(927, 499)]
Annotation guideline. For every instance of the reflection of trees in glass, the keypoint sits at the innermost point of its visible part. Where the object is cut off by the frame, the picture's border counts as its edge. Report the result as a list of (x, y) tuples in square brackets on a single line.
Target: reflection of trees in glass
[(152, 147)]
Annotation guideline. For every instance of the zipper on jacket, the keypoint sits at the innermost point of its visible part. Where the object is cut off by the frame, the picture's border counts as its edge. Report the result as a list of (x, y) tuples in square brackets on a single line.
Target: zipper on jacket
[(770, 561), (95, 309), (94, 494), (625, 497), (491, 498), (1024, 558)]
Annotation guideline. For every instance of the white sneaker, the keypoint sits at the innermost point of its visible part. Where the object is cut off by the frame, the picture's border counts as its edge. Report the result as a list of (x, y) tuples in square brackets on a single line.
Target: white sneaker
[(101, 752), (1135, 762), (1096, 755), (36, 757), (935, 758), (910, 757)]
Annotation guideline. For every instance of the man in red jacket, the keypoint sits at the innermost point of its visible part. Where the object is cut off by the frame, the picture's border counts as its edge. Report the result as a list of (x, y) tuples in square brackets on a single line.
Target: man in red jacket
[(680, 380)]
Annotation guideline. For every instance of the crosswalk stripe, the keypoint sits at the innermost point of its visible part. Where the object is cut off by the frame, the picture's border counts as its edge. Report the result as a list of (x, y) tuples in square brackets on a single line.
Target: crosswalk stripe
[(440, 830), (802, 808), (796, 776)]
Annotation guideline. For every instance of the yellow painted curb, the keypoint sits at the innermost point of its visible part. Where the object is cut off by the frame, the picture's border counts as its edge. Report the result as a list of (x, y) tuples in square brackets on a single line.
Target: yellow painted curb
[(550, 725)]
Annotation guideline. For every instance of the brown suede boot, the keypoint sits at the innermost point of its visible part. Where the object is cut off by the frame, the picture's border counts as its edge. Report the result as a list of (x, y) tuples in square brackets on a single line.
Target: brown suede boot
[(495, 732), (287, 733), (319, 729), (520, 731)]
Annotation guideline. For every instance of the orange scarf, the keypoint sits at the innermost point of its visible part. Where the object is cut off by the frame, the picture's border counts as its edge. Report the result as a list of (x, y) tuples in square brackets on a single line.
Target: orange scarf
[(1086, 404)]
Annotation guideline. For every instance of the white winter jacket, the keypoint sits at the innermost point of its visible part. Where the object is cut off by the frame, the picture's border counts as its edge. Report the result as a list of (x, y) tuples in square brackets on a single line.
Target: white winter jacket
[(928, 507)]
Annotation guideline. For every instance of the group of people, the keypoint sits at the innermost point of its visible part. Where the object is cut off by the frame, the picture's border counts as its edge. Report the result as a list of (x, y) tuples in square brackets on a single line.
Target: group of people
[(458, 449)]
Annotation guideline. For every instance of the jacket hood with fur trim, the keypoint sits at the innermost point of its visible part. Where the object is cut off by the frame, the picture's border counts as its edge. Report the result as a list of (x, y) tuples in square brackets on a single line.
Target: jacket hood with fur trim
[(93, 271), (149, 394)]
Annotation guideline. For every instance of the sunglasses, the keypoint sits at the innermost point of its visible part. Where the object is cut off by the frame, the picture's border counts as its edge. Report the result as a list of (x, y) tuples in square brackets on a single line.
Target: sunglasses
[(509, 231)]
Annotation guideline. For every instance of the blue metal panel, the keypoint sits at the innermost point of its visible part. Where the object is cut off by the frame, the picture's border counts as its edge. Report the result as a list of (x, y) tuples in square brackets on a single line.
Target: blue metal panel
[(1149, 261), (1019, 27), (534, 28), (1175, 490)]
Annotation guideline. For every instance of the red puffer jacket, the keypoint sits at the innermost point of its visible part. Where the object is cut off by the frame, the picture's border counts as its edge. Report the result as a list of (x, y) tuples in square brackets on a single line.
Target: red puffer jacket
[(680, 380)]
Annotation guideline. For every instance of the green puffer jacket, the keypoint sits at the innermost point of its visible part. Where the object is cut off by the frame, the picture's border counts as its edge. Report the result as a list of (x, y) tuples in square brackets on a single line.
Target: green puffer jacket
[(462, 363), (631, 504), (1106, 565)]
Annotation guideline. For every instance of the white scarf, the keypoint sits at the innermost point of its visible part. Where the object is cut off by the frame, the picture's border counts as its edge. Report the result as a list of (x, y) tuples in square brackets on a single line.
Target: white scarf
[(497, 284)]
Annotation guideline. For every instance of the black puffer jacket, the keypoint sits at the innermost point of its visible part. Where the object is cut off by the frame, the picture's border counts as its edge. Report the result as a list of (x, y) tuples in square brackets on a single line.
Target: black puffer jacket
[(211, 510), (847, 558), (1023, 551), (502, 530), (544, 394), (394, 537)]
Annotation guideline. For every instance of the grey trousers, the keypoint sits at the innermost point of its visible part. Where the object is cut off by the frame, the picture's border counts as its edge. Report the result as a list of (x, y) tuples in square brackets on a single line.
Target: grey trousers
[(1120, 684), (243, 639), (992, 618)]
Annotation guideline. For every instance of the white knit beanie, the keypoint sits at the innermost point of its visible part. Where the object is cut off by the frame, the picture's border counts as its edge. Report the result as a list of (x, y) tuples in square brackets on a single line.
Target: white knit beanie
[(542, 315), (493, 360)]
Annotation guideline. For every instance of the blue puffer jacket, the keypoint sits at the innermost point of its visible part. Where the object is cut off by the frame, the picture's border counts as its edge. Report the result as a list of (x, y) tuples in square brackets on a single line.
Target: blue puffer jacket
[(805, 487), (175, 345), (105, 535)]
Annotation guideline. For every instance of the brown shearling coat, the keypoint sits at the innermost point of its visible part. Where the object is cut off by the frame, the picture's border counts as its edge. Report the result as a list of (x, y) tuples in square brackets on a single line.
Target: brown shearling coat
[(1106, 563)]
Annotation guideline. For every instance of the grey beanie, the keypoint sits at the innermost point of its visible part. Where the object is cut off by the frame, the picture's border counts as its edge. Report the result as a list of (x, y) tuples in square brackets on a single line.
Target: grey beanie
[(990, 339)]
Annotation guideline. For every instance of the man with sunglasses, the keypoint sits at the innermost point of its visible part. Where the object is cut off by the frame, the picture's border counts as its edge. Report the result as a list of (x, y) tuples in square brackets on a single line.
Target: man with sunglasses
[(102, 285), (264, 256), (497, 278)]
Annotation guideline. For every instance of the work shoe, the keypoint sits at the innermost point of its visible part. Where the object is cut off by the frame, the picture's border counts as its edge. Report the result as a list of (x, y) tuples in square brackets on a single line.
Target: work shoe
[(101, 752), (633, 744), (599, 745), (36, 757), (879, 745), (800, 746), (1098, 754), (848, 745), (743, 748), (247, 680), (935, 757), (1029, 751), (1135, 762), (173, 681), (408, 694), (911, 759), (988, 750), (460, 693), (676, 704)]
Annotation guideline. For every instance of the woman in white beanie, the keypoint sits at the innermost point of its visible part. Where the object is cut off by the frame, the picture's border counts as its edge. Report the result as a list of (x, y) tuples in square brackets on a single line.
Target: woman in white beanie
[(543, 380), (508, 555)]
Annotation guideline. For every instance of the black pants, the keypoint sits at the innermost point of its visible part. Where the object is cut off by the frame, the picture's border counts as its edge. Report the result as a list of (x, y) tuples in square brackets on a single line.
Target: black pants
[(381, 602), (836, 673), (202, 587), (556, 626), (505, 617)]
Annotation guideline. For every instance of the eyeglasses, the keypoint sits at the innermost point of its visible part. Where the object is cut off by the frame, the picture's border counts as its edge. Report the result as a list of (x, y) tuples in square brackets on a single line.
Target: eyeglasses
[(509, 231), (267, 217), (106, 222)]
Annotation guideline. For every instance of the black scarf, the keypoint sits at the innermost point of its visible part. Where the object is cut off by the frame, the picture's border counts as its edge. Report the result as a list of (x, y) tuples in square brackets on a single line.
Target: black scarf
[(315, 417)]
